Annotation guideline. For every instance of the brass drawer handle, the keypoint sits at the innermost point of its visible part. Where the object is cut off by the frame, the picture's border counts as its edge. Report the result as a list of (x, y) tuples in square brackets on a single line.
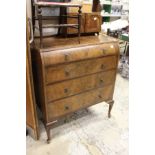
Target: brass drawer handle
[(65, 90), (103, 66), (66, 107)]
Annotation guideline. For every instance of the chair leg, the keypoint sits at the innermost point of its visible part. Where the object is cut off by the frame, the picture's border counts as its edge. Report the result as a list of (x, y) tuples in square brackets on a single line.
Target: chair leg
[(79, 23), (40, 26)]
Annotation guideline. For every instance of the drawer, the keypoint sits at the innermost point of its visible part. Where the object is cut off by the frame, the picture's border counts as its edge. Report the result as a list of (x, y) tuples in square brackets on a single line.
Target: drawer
[(93, 22), (71, 104), (61, 56), (81, 68), (78, 85)]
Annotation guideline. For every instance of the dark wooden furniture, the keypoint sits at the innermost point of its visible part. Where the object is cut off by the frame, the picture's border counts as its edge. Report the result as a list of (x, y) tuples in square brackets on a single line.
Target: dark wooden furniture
[(40, 4), (71, 76), (90, 23), (96, 6), (31, 114)]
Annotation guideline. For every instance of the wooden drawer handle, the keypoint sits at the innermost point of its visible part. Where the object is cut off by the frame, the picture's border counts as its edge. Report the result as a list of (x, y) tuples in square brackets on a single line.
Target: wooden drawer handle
[(66, 57), (99, 96), (66, 107), (101, 81), (103, 66), (67, 73), (104, 51), (65, 90)]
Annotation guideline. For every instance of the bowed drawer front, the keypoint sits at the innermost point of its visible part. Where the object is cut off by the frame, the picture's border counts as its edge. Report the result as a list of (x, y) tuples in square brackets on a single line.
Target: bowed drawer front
[(78, 69), (78, 85), (77, 54)]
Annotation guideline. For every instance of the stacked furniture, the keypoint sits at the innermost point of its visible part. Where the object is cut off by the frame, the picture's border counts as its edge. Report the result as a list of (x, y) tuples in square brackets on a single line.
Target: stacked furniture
[(71, 76)]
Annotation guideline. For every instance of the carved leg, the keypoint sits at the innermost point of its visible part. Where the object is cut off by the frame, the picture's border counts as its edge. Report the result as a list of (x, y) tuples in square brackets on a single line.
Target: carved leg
[(48, 134), (110, 107), (40, 26), (79, 23)]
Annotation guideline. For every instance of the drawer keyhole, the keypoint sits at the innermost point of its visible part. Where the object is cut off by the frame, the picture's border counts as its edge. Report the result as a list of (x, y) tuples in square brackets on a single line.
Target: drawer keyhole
[(66, 107)]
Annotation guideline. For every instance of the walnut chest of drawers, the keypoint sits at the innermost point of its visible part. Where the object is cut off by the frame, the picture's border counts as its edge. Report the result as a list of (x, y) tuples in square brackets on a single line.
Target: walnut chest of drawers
[(71, 76)]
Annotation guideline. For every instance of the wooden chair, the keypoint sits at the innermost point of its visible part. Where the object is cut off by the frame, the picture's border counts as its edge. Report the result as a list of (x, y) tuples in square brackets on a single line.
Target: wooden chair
[(62, 5)]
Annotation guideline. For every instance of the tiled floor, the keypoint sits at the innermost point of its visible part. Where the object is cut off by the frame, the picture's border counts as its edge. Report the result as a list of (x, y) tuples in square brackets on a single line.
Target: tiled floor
[(89, 132)]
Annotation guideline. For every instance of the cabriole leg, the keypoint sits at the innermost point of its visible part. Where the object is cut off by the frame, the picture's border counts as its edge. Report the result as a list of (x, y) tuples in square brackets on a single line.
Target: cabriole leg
[(48, 134), (110, 107)]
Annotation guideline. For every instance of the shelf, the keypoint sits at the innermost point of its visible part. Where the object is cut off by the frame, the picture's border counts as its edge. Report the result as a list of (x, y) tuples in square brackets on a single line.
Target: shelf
[(124, 15), (111, 3), (57, 4), (60, 25), (110, 15)]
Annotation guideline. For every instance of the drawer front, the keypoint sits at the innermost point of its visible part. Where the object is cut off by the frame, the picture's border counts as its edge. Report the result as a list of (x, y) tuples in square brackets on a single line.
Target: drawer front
[(71, 104), (76, 86), (75, 21), (60, 56), (77, 69), (93, 23)]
